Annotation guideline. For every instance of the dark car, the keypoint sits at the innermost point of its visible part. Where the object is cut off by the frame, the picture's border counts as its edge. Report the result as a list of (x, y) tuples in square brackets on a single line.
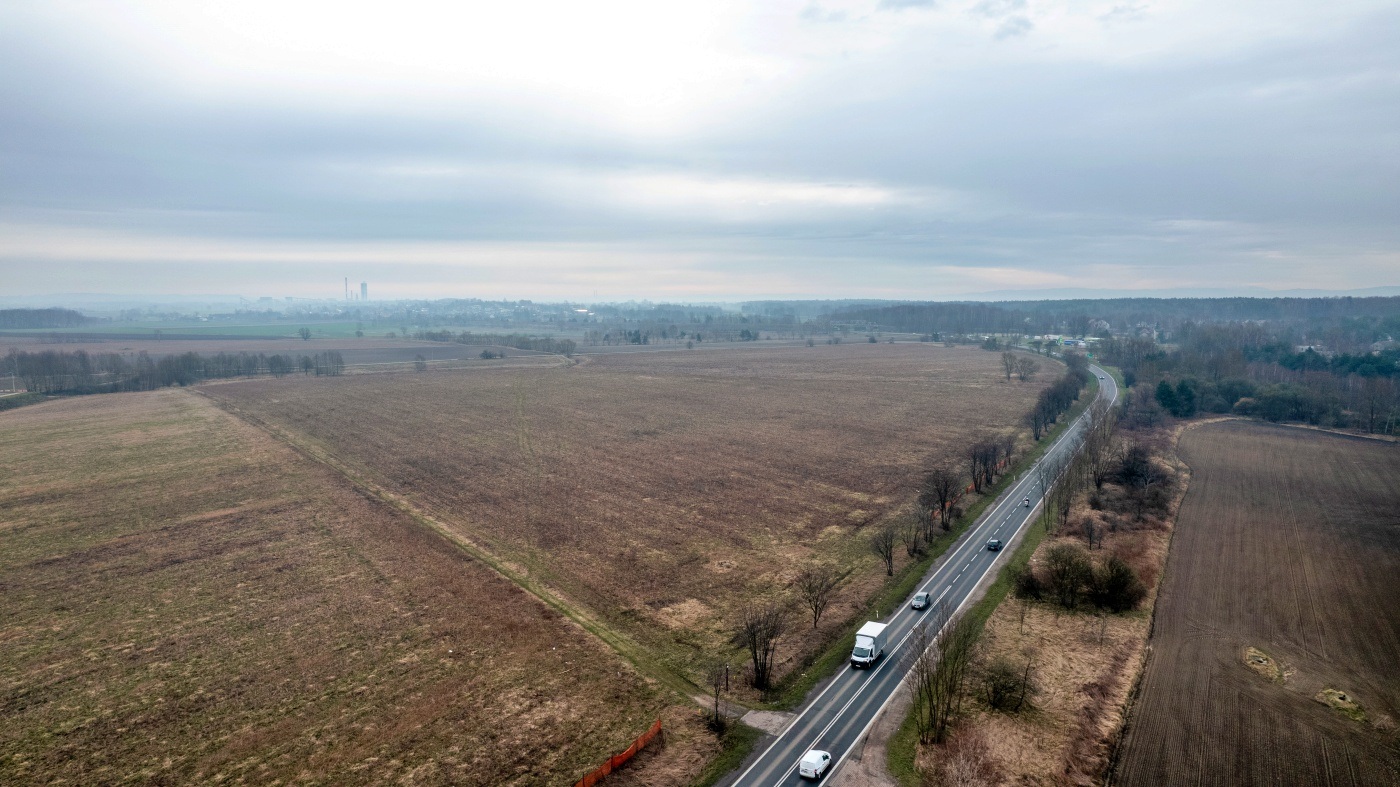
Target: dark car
[(994, 545)]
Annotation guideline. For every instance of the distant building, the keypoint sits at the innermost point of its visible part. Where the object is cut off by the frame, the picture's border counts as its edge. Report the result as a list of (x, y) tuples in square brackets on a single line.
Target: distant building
[(364, 291)]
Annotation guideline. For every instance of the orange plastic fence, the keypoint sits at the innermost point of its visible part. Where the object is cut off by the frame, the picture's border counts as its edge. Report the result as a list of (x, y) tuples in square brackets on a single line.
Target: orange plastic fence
[(618, 760)]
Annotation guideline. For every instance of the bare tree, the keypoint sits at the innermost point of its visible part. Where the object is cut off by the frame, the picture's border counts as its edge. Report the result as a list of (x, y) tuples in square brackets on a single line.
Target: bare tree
[(1006, 685), (921, 662), (305, 334), (1026, 368), (982, 457), (882, 543), (761, 627), (912, 536), (1008, 364), (941, 489), (718, 679), (815, 585), (1068, 571), (973, 454), (1093, 532), (1046, 471), (1061, 501), (1008, 447), (938, 662), (1139, 474), (1098, 443), (1038, 419)]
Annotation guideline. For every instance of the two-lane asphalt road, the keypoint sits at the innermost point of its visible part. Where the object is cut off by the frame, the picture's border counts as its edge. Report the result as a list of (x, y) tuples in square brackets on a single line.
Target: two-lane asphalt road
[(839, 715)]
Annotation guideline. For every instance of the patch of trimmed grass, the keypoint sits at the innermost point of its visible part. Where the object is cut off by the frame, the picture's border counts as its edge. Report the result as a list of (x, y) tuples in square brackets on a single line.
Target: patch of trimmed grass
[(899, 754)]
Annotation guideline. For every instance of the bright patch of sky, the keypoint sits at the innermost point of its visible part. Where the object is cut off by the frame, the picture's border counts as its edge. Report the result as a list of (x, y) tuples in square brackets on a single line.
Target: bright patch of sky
[(887, 148)]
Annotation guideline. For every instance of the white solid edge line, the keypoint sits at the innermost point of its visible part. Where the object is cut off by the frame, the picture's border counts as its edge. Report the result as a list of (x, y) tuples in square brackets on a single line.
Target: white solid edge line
[(880, 710), (870, 675)]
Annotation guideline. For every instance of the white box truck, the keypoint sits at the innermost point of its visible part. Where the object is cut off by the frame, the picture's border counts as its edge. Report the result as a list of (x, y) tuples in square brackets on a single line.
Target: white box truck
[(870, 644)]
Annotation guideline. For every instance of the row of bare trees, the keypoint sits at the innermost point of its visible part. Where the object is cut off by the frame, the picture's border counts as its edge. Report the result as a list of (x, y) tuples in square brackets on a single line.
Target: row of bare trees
[(1019, 365), (939, 660), (1060, 396), (80, 372), (986, 457), (762, 625)]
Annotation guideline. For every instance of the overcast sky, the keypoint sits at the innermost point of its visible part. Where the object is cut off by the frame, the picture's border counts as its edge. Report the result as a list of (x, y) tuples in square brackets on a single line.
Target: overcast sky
[(890, 148)]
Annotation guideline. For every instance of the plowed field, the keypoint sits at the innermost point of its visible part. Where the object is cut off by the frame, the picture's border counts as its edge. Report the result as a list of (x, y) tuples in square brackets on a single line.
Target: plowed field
[(184, 600), (661, 489), (1281, 585)]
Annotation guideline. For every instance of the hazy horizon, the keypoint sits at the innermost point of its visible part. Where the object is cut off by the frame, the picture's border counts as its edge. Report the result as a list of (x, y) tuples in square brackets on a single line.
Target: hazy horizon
[(895, 149)]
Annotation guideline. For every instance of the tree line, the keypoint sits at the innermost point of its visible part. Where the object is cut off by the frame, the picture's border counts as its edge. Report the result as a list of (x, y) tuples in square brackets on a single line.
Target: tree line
[(81, 372), (546, 344), (41, 318)]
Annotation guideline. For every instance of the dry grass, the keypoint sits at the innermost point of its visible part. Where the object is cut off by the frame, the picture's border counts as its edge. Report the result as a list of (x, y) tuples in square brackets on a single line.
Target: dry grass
[(1085, 663), (660, 490), (185, 600)]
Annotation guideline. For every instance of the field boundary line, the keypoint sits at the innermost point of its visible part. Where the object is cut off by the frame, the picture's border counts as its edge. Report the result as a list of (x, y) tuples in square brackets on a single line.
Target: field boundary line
[(624, 646)]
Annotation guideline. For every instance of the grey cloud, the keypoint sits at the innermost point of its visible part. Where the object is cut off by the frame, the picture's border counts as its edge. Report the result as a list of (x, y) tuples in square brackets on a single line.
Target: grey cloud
[(900, 5), (813, 12), (999, 9), (1013, 26), (1125, 13), (1198, 169)]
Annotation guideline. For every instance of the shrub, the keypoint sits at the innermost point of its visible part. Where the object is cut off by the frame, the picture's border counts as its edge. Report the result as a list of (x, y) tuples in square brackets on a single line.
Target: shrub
[(1025, 584), (1067, 571), (1006, 686), (1115, 586)]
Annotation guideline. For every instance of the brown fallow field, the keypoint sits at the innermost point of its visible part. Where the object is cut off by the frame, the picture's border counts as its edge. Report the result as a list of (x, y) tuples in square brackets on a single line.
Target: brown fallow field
[(1276, 643), (184, 600), (661, 490)]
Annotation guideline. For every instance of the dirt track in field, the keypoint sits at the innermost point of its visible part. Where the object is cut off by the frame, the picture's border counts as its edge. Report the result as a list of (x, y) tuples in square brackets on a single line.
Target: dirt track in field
[(659, 489), (1288, 542), (184, 600)]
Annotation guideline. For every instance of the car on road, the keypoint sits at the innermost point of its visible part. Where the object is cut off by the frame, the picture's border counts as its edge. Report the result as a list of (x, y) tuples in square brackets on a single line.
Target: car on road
[(1100, 377), (994, 545), (814, 764), (1026, 502), (921, 600)]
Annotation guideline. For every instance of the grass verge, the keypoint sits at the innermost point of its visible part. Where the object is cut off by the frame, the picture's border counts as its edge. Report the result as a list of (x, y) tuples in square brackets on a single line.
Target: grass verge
[(737, 743), (798, 683), (899, 754), (903, 745)]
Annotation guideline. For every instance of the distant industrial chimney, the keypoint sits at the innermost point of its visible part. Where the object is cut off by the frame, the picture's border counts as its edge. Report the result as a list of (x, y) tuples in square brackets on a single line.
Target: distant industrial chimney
[(364, 291), (347, 288)]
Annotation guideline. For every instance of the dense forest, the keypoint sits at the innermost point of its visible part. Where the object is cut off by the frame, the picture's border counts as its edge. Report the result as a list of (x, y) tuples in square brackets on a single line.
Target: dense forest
[(1249, 370), (41, 318)]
